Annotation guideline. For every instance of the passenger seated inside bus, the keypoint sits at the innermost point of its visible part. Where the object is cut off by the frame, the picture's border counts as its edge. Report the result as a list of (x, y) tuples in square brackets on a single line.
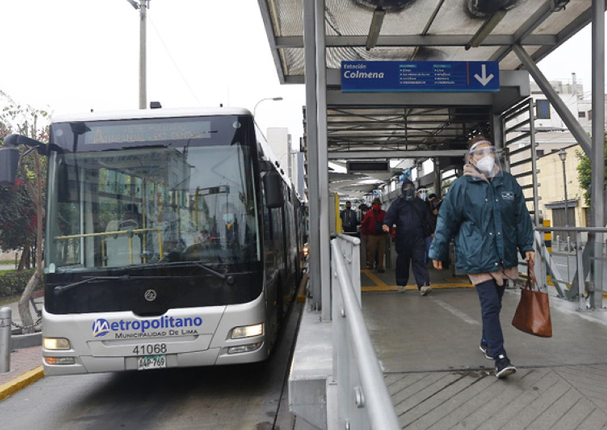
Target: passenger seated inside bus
[(203, 237), (130, 217), (228, 231), (122, 249)]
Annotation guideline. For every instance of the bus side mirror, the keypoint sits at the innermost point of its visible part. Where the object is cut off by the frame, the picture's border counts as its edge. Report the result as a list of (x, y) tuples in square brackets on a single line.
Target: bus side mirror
[(272, 184), (9, 163)]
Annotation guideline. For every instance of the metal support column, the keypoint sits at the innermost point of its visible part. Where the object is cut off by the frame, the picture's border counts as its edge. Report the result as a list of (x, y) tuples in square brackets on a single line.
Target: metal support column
[(559, 105), (323, 166), (312, 145), (498, 131), (499, 140), (438, 182), (598, 146), (581, 283)]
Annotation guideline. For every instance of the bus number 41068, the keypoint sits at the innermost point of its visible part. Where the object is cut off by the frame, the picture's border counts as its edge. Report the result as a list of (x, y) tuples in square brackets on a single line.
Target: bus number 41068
[(157, 348)]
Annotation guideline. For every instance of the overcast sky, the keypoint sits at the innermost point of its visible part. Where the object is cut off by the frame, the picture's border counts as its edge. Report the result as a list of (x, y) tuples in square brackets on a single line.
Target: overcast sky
[(75, 55)]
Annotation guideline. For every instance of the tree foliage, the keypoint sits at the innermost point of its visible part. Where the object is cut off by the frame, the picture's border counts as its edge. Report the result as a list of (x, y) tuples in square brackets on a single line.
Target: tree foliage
[(584, 172), (31, 122), (18, 218)]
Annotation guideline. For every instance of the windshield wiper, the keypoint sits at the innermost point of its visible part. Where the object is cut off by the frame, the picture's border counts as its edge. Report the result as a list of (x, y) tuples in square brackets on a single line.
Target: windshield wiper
[(63, 288), (229, 278)]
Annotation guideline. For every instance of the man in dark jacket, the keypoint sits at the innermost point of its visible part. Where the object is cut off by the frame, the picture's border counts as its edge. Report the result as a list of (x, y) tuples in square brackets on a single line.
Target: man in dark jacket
[(413, 225), (349, 219)]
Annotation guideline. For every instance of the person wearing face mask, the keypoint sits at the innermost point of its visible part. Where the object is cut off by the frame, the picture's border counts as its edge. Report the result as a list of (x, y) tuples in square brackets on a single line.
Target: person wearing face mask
[(230, 230), (422, 193), (374, 236), (413, 225), (485, 211)]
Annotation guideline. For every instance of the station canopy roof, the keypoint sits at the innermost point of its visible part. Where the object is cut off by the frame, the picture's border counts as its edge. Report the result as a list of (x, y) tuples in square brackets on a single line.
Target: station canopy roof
[(418, 30), (414, 30)]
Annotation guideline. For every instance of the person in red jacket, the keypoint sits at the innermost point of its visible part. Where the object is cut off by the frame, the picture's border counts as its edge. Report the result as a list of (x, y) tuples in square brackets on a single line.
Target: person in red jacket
[(374, 236)]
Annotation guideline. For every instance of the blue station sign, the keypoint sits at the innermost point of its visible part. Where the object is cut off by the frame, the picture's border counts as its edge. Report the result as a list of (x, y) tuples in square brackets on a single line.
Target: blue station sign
[(395, 76)]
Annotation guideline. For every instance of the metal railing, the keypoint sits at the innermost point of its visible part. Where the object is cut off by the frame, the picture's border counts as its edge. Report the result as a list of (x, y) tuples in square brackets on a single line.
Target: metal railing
[(363, 400), (584, 255), (128, 233)]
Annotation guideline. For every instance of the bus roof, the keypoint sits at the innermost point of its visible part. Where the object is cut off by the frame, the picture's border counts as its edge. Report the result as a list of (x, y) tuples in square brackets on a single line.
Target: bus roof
[(150, 113)]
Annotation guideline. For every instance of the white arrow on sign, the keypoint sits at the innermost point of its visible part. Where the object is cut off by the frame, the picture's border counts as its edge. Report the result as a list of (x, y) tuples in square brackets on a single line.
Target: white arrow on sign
[(484, 80)]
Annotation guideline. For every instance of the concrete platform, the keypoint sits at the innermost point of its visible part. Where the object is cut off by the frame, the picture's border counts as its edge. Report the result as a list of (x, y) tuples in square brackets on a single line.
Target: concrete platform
[(311, 366), (438, 378)]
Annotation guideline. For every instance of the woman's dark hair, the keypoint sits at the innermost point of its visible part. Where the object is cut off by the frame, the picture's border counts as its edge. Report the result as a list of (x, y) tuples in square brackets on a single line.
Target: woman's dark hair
[(476, 139)]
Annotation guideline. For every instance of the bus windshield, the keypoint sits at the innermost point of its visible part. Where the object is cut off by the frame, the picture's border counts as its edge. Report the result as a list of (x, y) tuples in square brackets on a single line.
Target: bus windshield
[(148, 205)]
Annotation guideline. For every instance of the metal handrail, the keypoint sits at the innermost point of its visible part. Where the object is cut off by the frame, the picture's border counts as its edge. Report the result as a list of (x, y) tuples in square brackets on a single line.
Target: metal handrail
[(578, 285), (353, 240), (374, 396), (128, 233), (580, 229), (108, 233)]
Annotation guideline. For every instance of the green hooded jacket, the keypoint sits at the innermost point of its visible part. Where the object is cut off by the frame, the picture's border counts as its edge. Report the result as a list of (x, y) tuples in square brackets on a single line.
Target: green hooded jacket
[(489, 221)]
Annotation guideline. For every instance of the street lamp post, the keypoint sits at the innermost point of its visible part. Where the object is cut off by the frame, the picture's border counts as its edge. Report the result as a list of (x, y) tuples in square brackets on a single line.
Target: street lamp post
[(142, 6), (276, 99)]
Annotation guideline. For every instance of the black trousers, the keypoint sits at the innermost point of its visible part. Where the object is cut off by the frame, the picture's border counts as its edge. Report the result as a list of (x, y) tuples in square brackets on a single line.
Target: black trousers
[(411, 253), (490, 295)]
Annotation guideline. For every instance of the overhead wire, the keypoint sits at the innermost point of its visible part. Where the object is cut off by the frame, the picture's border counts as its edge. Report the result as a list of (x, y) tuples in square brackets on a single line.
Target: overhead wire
[(173, 60)]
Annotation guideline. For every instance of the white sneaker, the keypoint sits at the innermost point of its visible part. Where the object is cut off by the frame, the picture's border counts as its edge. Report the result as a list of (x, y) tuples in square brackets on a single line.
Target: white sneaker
[(400, 289), (425, 290)]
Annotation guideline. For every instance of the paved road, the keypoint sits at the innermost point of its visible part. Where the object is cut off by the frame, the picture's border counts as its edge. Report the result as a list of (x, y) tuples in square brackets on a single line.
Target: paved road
[(7, 266), (228, 398)]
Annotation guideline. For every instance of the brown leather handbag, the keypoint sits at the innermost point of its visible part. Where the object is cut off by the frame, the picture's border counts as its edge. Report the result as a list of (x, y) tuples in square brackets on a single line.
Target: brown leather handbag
[(533, 312)]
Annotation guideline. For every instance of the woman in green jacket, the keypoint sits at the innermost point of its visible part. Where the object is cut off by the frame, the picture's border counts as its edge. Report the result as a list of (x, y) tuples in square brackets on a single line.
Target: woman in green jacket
[(485, 212)]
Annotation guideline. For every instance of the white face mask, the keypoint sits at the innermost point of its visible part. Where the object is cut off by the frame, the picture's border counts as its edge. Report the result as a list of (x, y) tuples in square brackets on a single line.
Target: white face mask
[(228, 218), (485, 165)]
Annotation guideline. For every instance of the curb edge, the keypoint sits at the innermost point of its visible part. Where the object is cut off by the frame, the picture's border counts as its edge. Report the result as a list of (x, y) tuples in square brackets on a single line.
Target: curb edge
[(20, 382)]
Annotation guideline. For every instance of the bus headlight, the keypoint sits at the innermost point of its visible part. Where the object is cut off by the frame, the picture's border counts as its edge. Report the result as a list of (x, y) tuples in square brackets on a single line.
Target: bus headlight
[(247, 331), (306, 251), (52, 343)]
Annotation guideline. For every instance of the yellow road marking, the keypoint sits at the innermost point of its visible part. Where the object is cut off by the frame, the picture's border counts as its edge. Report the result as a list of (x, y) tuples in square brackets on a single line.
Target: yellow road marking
[(453, 283), (414, 287), (382, 286), (375, 279)]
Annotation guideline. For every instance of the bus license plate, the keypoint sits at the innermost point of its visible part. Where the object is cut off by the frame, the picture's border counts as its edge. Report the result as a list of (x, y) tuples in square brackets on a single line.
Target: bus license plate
[(152, 362)]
